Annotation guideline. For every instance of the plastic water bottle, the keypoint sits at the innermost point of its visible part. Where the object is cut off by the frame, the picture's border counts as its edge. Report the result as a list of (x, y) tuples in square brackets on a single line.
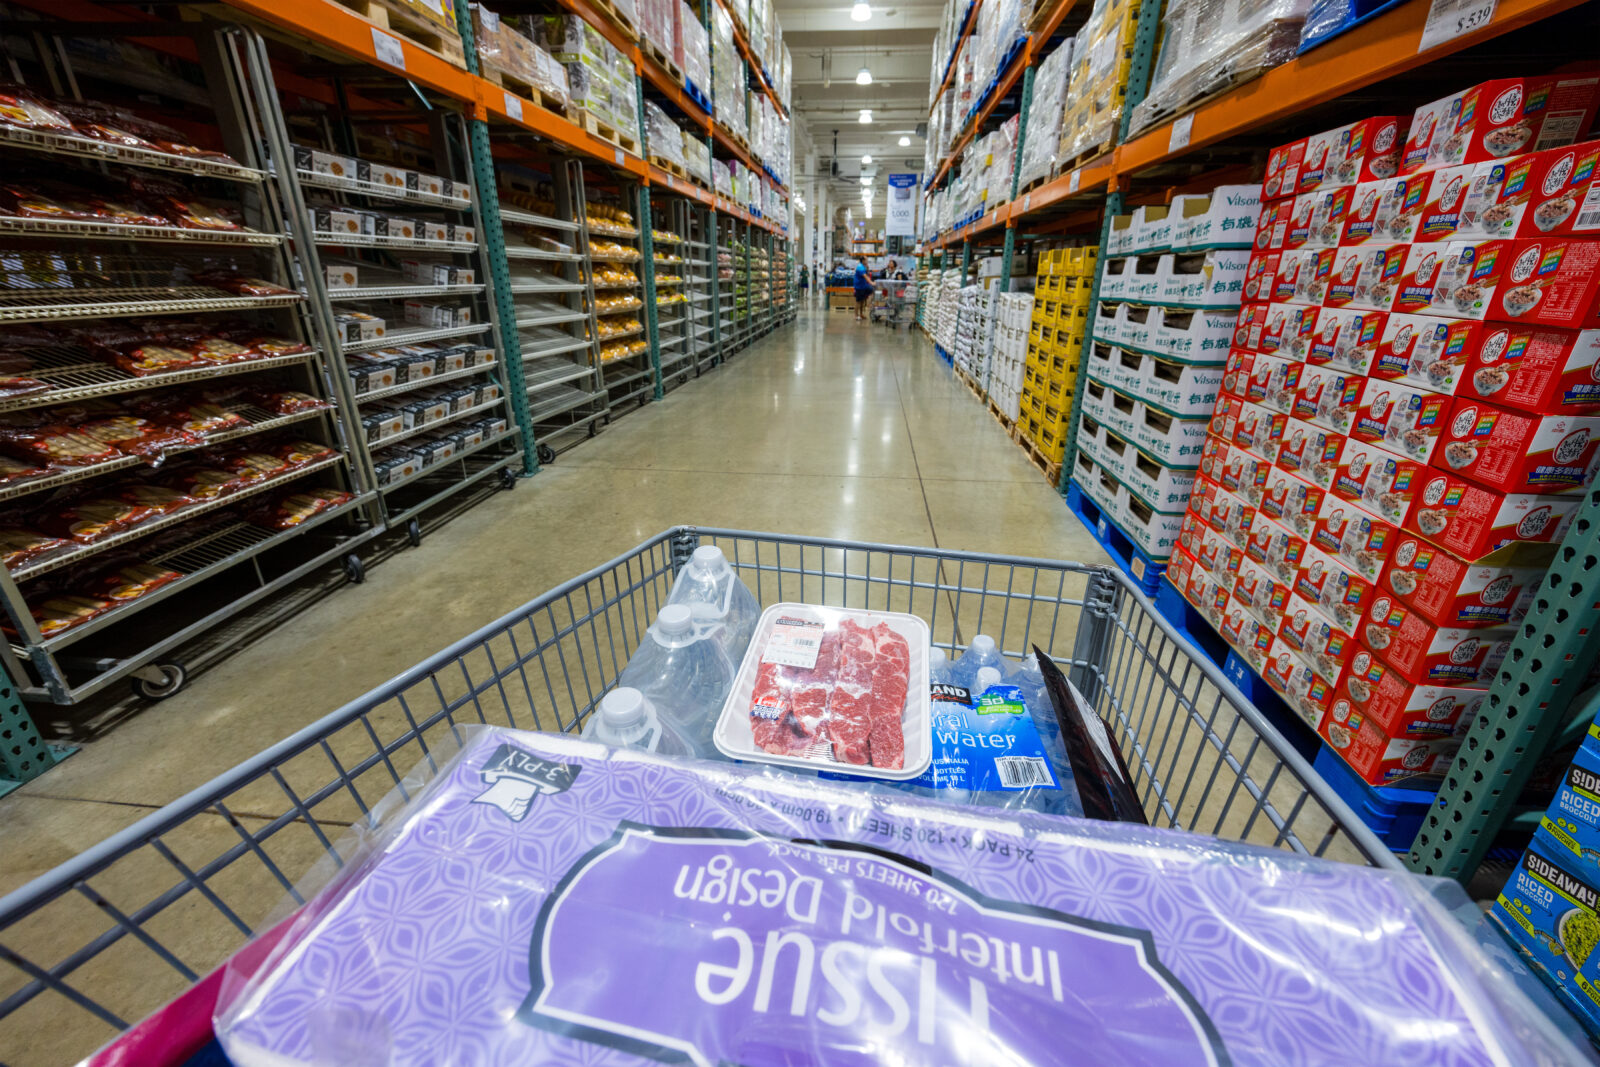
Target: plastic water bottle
[(627, 719), (986, 677), (939, 667), (981, 653), (710, 589), (1030, 679), (685, 673)]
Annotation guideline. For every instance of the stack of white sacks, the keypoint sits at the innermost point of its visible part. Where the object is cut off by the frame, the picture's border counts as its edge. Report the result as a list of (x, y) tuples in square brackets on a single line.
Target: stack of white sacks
[(972, 330), (1010, 356), (944, 330)]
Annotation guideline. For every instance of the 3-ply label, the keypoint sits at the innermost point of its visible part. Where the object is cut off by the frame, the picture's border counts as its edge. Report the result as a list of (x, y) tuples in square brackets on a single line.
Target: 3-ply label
[(985, 742), (794, 642), (709, 946)]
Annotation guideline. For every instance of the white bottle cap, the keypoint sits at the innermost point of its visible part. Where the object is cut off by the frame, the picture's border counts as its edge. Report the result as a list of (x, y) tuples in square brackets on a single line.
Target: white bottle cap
[(936, 658), (622, 707), (983, 646), (987, 676), (708, 559), (674, 620), (1030, 665)]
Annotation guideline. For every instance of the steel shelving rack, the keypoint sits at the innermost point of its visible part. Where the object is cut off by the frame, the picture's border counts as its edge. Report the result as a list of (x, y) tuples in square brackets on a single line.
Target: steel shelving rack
[(700, 271), (673, 281), (630, 380)]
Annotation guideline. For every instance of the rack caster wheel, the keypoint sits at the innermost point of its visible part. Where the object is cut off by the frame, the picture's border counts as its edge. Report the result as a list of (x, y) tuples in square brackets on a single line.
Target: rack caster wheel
[(172, 677), (413, 534), (354, 569), (547, 455), (508, 478), (594, 427)]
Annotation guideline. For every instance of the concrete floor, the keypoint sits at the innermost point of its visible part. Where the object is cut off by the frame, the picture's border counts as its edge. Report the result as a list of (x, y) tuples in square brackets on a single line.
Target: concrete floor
[(828, 427)]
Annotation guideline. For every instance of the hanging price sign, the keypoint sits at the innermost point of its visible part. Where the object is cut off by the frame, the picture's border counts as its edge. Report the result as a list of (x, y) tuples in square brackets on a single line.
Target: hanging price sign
[(1449, 19)]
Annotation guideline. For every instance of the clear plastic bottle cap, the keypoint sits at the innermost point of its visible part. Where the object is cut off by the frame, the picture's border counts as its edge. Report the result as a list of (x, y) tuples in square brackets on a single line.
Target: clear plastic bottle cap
[(982, 646), (987, 676), (1030, 665), (936, 658), (708, 559), (675, 619), (622, 707)]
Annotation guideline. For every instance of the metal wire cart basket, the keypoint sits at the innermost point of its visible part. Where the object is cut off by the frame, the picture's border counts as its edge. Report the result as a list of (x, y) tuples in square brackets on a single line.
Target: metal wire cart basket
[(105, 939)]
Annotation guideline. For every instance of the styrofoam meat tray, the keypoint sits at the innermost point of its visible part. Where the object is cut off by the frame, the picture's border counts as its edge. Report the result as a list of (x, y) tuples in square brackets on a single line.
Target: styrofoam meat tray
[(733, 735)]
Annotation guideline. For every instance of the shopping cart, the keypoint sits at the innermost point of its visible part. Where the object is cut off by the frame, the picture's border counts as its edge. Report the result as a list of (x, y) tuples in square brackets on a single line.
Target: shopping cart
[(126, 926), (894, 303)]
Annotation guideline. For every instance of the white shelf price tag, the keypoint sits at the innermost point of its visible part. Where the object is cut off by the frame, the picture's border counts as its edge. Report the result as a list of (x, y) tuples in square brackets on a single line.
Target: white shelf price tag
[(619, 156), (1182, 129), (514, 106), (388, 49), (1448, 19), (1073, 180), (1027, 201)]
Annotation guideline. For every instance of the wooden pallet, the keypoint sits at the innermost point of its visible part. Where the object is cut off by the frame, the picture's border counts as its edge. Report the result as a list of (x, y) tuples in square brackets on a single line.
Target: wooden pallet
[(654, 51), (1050, 468), (629, 28), (606, 131), (402, 21), (515, 83), (675, 169), (1005, 422), (1083, 158), (1031, 186)]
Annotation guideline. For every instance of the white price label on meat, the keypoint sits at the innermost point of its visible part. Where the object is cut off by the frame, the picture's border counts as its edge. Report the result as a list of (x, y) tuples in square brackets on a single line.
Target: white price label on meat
[(794, 642), (514, 106), (388, 49), (1449, 19)]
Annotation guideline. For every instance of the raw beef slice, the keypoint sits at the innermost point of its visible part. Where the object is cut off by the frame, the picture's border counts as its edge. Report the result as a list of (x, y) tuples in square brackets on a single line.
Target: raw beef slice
[(849, 715), (891, 674), (789, 705)]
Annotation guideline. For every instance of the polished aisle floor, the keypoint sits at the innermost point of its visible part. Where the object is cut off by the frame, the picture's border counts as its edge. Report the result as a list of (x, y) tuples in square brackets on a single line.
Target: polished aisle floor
[(829, 427)]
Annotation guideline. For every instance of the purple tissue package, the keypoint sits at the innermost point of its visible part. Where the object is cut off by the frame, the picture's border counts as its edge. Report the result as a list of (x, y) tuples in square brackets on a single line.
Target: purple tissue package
[(550, 901)]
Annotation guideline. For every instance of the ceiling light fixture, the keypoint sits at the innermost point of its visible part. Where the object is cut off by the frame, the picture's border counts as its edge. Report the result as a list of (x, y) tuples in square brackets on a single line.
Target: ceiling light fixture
[(867, 158), (905, 141), (865, 117), (863, 76), (861, 12), (865, 180)]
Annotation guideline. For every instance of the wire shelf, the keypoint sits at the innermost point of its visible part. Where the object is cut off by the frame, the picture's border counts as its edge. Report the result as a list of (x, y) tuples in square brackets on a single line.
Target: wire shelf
[(369, 240), (261, 421), (76, 375), (526, 252), (412, 335), (437, 468), (81, 230), (550, 318), (417, 431), (66, 144), (406, 387), (49, 305), (617, 285), (399, 292), (554, 348), (559, 401), (528, 286), (634, 332), (544, 372), (381, 192), (66, 557), (613, 231), (517, 217)]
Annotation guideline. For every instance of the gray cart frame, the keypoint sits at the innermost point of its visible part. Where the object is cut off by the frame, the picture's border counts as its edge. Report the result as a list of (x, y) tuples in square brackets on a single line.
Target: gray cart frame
[(122, 928)]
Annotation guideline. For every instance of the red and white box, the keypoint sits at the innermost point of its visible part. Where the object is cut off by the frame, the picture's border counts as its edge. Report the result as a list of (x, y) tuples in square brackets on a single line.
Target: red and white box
[(1443, 200), (1328, 398), (1258, 429), (1368, 150), (1213, 454), (1472, 521), (1367, 277), (1536, 368), (1556, 191), (1377, 479), (1310, 453), (1248, 326), (1401, 202), (1291, 502), (1426, 351), (1401, 707), (1272, 225), (1378, 758), (1261, 277), (1224, 414), (1333, 588), (1346, 339), (1551, 281), (1283, 171), (1501, 118), (1321, 161), (1449, 591), (1208, 595), (1416, 151), (1324, 645), (1259, 592), (1363, 218), (1303, 275), (1290, 675), (1177, 572), (1244, 474), (1246, 634), (1430, 655), (1229, 515), (1288, 330), (1413, 418), (1220, 556), (1300, 221), (1357, 538), (1276, 547), (1418, 279), (1191, 531), (1272, 382), (1327, 217), (1469, 278), (1518, 453)]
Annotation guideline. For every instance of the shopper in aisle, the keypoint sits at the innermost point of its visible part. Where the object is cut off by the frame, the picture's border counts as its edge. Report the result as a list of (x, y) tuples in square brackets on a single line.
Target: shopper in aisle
[(864, 288)]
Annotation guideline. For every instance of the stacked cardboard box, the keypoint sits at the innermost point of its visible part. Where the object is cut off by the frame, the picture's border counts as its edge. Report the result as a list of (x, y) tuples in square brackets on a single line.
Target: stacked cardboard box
[(1056, 334)]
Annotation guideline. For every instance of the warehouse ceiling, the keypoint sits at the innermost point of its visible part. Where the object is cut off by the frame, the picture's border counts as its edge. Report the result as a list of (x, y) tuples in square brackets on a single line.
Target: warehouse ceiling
[(829, 49)]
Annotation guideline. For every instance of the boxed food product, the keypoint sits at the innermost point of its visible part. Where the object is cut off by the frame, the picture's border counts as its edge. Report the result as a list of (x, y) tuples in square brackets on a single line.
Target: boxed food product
[(1412, 418), (1571, 824), (1536, 368), (1320, 152), (1243, 473), (340, 275), (1361, 540), (1472, 521), (1366, 150), (420, 412), (462, 233), (1426, 123), (380, 424), (437, 314), (1442, 196), (1293, 503), (1310, 453), (1552, 281), (1345, 339), (419, 272), (1333, 588), (1229, 515), (1257, 590), (1425, 351), (318, 161), (1303, 275), (1496, 119), (1366, 276), (1320, 642), (1302, 221), (1283, 171), (1272, 227), (381, 174), (1431, 655), (1550, 192), (1217, 554), (1272, 381), (1382, 482), (430, 184), (1363, 221), (1518, 453), (1328, 398), (1402, 708), (1423, 273), (1449, 591), (1548, 906), (1378, 758), (833, 688), (1258, 429), (340, 221), (394, 227), (358, 326), (1275, 546), (432, 450), (1288, 330)]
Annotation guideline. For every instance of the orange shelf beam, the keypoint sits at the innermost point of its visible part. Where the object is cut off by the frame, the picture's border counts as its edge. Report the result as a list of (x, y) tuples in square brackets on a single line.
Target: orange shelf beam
[(1382, 48), (955, 53), (1008, 80), (742, 42), (1052, 22), (664, 83)]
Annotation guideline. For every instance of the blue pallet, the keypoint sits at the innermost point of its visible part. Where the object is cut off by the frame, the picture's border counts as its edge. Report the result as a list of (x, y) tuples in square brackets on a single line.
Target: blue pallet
[(1187, 620), (1135, 562), (702, 100), (1395, 813), (943, 353), (1330, 18)]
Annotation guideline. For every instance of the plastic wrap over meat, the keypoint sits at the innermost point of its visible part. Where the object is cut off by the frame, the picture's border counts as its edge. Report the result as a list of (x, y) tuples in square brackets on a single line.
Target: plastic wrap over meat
[(1209, 44), (548, 900)]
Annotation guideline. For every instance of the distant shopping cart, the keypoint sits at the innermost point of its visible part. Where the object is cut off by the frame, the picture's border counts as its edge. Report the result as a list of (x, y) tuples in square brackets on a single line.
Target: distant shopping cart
[(894, 303), (112, 935)]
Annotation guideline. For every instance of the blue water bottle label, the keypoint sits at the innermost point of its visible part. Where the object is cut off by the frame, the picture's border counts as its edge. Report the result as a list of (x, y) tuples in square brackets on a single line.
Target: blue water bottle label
[(985, 742)]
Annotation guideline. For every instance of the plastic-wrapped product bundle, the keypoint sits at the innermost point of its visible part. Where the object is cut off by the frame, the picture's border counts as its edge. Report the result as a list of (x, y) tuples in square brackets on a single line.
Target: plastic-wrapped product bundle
[(727, 74), (697, 158), (1209, 44), (590, 90), (722, 177), (624, 94), (664, 139), (1005, 30), (628, 9), (1002, 158), (544, 899), (1044, 116), (655, 21), (694, 53), (1098, 85)]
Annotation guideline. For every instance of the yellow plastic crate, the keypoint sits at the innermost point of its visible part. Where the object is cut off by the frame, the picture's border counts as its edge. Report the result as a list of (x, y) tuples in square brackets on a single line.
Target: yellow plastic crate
[(1051, 443), (1063, 368)]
